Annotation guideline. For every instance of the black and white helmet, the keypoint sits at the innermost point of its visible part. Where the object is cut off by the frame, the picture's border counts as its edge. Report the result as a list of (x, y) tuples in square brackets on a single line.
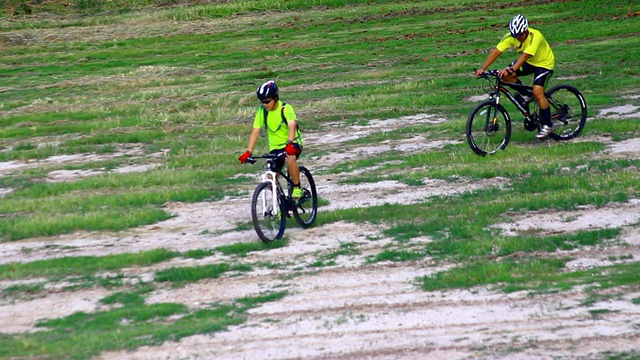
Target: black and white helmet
[(518, 25), (268, 90)]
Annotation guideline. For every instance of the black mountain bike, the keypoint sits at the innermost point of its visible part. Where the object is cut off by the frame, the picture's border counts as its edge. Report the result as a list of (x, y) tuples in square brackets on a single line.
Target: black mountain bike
[(270, 205), (489, 124)]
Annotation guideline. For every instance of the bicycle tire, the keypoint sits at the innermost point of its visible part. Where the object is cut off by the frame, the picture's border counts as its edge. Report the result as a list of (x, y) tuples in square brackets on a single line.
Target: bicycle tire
[(485, 134), (269, 226), (305, 210), (568, 112)]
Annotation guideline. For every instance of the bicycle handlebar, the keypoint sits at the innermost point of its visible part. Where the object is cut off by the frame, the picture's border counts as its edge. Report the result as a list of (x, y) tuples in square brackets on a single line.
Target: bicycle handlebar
[(495, 74), (487, 73), (252, 159)]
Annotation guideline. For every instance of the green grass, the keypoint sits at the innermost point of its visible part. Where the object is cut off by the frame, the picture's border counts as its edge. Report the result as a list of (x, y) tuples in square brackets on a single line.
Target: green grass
[(82, 265), (93, 265), (329, 259), (184, 275), (242, 249), (83, 335), (531, 274)]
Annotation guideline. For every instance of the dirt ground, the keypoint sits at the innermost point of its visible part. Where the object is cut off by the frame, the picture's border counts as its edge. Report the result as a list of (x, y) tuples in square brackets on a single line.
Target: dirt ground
[(351, 310)]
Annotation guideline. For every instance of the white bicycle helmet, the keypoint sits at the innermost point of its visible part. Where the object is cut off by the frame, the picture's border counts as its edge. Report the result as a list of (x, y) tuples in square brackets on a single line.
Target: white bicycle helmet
[(518, 25)]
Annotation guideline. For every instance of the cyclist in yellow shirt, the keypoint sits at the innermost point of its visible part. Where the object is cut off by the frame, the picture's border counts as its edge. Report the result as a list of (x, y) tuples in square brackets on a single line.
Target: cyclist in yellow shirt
[(536, 58), (283, 133)]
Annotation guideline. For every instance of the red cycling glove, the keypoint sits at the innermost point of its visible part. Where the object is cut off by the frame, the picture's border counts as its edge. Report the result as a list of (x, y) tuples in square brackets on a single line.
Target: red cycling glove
[(243, 158), (292, 149)]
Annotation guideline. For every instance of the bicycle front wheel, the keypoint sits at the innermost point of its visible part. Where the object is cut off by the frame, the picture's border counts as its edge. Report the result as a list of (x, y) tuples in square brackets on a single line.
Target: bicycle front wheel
[(269, 220), (568, 112), (306, 209), (488, 128)]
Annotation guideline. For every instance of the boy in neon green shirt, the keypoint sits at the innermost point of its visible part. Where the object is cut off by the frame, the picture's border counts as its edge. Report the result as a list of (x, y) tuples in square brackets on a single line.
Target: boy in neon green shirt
[(282, 131), (536, 58)]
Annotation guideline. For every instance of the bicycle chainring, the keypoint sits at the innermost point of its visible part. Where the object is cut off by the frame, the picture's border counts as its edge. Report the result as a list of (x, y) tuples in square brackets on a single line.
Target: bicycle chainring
[(530, 125)]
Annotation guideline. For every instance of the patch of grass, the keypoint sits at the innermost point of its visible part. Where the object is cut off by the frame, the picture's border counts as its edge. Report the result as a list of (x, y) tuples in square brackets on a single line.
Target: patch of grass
[(182, 275), (242, 249), (621, 355), (489, 244), (531, 274), (88, 281), (23, 290), (595, 297), (598, 313), (82, 265), (198, 253), (397, 255), (483, 272), (84, 335), (132, 298), (51, 209), (344, 249), (253, 301), (83, 268), (16, 228)]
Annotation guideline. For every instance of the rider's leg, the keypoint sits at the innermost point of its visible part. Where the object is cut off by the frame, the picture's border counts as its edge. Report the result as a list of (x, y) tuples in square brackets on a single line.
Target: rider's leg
[(540, 80), (294, 171), (523, 91), (525, 70), (543, 103)]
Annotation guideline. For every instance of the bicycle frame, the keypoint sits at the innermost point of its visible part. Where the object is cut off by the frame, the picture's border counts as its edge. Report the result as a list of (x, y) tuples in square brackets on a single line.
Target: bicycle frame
[(502, 87), (272, 176)]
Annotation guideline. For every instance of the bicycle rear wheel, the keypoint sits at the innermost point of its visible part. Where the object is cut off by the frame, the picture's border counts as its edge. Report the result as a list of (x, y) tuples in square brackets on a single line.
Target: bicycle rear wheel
[(488, 128), (268, 221), (568, 112), (306, 209)]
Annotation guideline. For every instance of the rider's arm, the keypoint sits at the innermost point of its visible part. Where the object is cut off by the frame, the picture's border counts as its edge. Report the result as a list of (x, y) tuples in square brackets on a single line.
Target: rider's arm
[(521, 60), (509, 73), (253, 139), (292, 130), (495, 53)]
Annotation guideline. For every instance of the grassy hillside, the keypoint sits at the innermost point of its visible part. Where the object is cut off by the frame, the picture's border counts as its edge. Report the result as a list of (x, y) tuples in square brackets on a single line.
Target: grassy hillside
[(182, 78), (172, 84)]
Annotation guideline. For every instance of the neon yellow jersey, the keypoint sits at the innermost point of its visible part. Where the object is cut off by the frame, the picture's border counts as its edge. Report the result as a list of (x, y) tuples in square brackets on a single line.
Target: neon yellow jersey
[(534, 45), (277, 130)]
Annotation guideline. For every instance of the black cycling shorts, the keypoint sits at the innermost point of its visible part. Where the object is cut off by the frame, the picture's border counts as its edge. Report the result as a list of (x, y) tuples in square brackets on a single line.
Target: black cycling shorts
[(541, 75)]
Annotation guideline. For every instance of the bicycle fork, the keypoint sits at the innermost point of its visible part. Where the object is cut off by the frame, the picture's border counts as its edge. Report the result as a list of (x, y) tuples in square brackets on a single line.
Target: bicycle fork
[(271, 177), (492, 126)]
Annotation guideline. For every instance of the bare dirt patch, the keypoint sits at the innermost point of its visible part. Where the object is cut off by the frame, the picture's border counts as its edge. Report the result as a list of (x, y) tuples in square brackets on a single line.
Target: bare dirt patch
[(621, 112), (611, 216)]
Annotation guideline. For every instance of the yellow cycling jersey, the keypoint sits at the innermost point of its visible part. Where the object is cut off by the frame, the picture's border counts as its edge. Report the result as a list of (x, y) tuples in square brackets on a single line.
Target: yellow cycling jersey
[(277, 129), (534, 45)]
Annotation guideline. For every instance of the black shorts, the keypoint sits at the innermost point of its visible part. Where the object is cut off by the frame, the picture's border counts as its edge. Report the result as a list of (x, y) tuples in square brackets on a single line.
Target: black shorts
[(280, 162), (541, 75)]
